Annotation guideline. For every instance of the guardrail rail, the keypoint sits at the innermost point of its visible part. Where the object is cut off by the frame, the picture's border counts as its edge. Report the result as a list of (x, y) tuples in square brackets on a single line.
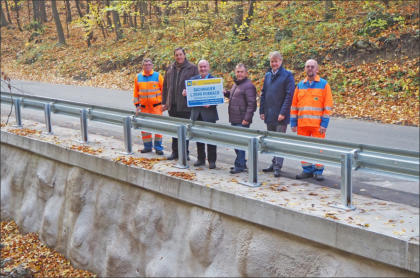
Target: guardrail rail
[(348, 156)]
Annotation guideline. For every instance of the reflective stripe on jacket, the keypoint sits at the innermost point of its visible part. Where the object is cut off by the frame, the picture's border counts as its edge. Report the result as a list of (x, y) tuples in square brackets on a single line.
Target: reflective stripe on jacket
[(312, 104), (148, 89)]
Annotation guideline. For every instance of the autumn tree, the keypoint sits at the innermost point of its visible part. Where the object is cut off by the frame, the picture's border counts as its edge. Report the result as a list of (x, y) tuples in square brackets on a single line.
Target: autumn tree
[(17, 8), (3, 18), (116, 22), (79, 11), (239, 15), (328, 10), (7, 11), (59, 27), (43, 11)]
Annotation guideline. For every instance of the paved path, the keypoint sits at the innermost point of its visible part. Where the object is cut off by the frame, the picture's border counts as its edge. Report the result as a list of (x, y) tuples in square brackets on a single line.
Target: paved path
[(382, 187)]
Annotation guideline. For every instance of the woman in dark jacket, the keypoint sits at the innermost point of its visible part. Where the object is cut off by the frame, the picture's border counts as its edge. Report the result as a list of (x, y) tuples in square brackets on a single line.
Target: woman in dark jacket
[(242, 105)]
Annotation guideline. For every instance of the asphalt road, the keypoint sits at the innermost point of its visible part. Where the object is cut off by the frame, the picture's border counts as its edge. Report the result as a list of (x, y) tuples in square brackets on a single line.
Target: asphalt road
[(356, 131)]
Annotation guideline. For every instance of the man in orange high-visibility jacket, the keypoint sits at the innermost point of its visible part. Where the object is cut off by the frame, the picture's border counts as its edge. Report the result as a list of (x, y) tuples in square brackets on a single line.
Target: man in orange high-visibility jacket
[(148, 99), (310, 113)]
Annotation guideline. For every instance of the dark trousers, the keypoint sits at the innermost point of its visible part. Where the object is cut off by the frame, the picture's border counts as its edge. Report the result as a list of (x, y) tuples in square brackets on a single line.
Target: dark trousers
[(211, 149), (277, 161), (178, 114)]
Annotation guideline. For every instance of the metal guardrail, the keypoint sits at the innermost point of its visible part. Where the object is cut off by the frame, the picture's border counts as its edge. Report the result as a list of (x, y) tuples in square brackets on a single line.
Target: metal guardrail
[(348, 156)]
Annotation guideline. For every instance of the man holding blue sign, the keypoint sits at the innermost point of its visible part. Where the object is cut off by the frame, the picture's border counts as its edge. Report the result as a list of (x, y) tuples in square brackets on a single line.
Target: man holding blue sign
[(200, 93)]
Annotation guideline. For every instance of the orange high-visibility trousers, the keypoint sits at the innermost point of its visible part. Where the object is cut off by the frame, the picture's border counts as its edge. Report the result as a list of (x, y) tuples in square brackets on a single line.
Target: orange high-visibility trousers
[(313, 132)]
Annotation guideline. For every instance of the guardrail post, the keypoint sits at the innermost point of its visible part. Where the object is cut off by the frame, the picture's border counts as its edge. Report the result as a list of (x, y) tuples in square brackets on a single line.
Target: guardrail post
[(252, 162), (83, 125), (346, 180), (18, 108), (182, 147), (127, 135), (47, 112)]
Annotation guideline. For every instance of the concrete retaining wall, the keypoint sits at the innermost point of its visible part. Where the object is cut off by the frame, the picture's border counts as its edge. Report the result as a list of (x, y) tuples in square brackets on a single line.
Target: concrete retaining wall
[(114, 225)]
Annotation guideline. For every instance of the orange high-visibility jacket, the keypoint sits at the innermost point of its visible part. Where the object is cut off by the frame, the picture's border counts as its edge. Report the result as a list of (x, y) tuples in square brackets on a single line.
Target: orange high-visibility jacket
[(148, 90), (312, 104)]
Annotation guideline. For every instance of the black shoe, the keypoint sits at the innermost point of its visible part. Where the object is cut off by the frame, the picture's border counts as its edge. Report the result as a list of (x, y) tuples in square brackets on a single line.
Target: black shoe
[(318, 177), (233, 167), (172, 157), (236, 171), (212, 165), (199, 163), (304, 175), (145, 151), (277, 173), (159, 152), (269, 169)]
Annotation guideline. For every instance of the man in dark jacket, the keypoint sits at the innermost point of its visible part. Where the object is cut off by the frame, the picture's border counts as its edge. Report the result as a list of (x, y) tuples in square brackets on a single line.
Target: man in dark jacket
[(276, 99), (173, 85), (206, 113), (242, 105)]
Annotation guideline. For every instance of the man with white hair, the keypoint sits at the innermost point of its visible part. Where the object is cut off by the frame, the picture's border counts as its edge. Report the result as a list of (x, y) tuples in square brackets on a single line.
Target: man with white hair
[(275, 101), (207, 113), (310, 113)]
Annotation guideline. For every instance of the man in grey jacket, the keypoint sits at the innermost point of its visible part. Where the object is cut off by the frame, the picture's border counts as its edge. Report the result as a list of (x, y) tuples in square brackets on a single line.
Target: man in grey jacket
[(242, 105), (173, 85)]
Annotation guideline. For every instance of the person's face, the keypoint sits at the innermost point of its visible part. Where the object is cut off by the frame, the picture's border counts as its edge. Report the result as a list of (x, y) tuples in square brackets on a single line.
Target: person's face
[(275, 63), (240, 73), (311, 69), (147, 67), (203, 68), (179, 56)]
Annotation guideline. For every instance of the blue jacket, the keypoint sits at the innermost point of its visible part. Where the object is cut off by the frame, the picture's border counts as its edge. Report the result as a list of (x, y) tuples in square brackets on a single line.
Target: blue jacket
[(207, 114), (277, 95)]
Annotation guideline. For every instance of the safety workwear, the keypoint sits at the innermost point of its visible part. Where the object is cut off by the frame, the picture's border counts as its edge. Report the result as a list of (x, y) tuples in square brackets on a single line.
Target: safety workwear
[(147, 97)]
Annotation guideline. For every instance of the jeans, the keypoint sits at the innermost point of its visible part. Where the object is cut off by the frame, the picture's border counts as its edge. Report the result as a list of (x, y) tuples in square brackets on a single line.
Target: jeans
[(277, 161), (240, 161)]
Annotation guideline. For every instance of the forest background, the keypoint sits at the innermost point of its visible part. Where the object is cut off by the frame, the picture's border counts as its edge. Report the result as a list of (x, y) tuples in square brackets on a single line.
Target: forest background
[(367, 50)]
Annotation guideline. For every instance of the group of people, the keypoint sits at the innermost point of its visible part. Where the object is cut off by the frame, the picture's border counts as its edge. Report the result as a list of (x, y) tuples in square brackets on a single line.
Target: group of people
[(307, 106)]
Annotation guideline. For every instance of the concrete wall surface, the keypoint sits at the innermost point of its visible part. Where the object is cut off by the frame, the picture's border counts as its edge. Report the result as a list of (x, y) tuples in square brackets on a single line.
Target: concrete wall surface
[(116, 228)]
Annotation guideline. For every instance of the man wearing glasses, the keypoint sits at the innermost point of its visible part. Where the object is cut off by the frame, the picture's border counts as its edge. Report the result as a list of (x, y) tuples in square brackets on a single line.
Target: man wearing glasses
[(310, 113), (148, 87)]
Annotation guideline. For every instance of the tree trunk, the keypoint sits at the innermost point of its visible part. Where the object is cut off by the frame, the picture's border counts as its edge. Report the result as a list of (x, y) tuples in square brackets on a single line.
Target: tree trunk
[(125, 18), (143, 11), (35, 5), (249, 17), (108, 17), (3, 18), (136, 8), (79, 11), (117, 25), (43, 11), (87, 6), (7, 12), (328, 10), (59, 27), (167, 12), (29, 10), (68, 11), (216, 7), (17, 7), (239, 14)]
